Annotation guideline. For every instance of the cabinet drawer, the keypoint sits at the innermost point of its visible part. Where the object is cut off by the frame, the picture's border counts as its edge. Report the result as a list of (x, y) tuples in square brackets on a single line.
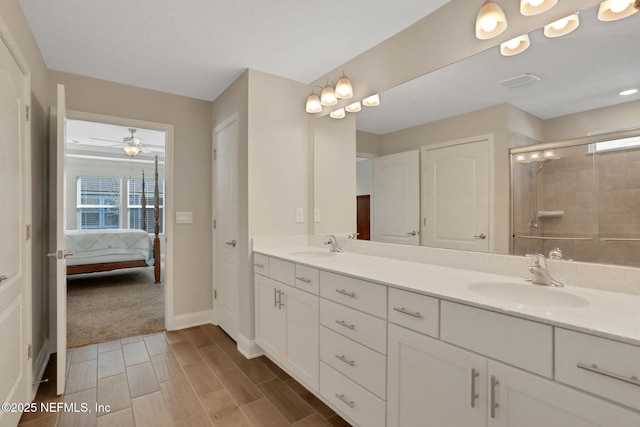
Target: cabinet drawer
[(360, 294), (360, 327), (355, 361), (307, 279), (356, 403), (261, 264), (414, 311), (522, 343), (615, 362), (282, 271)]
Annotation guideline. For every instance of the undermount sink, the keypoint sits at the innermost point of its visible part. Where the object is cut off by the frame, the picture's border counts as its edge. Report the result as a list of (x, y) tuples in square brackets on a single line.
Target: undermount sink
[(314, 254), (527, 294)]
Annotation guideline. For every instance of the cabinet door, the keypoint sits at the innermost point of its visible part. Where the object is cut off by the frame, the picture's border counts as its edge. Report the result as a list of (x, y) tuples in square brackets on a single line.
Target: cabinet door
[(270, 317), (433, 384), (526, 400), (302, 336)]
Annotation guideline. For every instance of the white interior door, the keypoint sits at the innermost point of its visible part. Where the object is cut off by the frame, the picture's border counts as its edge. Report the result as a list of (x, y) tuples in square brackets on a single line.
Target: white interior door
[(226, 227), (60, 253), (456, 196), (396, 198), (15, 255)]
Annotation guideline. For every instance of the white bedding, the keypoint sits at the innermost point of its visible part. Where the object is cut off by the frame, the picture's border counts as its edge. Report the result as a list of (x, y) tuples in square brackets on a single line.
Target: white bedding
[(110, 245)]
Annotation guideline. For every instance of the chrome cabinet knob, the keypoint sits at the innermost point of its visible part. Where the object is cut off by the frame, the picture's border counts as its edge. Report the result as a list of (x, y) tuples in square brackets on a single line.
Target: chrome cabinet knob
[(481, 236)]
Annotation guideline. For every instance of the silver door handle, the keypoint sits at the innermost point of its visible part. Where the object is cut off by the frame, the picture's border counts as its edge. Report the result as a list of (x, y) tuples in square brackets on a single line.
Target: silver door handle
[(349, 403), (231, 243), (474, 395), (494, 404), (594, 368), (347, 293), (410, 313), (412, 233), (343, 358), (481, 236), (60, 254), (275, 298), (345, 324), (304, 279), (3, 278)]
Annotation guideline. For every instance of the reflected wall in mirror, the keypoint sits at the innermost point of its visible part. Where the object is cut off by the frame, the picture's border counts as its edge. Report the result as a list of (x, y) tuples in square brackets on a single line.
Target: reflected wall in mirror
[(583, 200), (581, 76)]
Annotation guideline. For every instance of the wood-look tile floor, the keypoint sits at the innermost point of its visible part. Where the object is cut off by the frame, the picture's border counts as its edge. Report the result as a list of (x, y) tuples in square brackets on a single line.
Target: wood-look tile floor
[(189, 378)]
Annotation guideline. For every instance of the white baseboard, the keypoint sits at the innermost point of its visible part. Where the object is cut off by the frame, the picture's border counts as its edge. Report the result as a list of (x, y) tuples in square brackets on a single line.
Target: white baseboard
[(248, 348), (39, 366), (182, 321)]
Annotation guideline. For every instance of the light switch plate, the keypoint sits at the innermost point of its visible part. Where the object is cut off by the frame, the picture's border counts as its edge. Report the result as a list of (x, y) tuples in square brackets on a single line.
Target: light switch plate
[(316, 215), (299, 215)]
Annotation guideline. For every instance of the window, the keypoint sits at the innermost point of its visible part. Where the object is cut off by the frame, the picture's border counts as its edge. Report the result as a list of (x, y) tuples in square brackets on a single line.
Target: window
[(99, 201), (134, 205), (616, 144)]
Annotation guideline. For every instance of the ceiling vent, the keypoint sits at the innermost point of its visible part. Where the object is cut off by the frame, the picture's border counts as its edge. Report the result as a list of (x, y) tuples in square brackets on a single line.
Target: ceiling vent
[(521, 80)]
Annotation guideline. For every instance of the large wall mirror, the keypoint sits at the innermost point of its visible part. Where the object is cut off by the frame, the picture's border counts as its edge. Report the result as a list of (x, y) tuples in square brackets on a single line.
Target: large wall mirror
[(453, 129)]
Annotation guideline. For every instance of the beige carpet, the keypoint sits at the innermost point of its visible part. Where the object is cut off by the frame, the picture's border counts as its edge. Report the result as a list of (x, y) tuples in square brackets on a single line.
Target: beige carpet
[(111, 305)]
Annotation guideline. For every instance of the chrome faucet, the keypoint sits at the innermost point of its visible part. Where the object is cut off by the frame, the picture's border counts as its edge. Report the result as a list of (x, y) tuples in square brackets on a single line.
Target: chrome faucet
[(539, 273), (556, 254), (334, 244)]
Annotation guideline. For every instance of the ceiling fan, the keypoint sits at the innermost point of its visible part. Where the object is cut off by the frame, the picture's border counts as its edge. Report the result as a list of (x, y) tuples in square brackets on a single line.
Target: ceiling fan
[(130, 144)]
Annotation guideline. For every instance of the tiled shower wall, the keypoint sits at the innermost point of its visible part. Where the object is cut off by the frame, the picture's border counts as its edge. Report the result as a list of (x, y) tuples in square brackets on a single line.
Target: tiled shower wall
[(599, 197)]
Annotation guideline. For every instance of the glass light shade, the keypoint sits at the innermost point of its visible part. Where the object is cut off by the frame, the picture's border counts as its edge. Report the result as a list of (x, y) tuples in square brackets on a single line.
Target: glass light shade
[(491, 21), (536, 7), (131, 150), (344, 90), (372, 101), (328, 97), (612, 10), (338, 114), (562, 27), (313, 104), (515, 46), (353, 108)]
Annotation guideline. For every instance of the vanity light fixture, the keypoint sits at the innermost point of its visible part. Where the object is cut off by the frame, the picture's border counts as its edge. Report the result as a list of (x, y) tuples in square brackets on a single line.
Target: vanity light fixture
[(536, 7), (328, 96), (491, 21), (353, 108), (612, 10), (629, 92), (536, 156), (371, 101), (515, 46), (344, 90), (338, 114), (313, 104), (563, 26)]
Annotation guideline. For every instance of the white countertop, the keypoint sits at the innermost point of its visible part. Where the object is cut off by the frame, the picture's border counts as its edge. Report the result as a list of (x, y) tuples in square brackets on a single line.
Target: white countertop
[(609, 314)]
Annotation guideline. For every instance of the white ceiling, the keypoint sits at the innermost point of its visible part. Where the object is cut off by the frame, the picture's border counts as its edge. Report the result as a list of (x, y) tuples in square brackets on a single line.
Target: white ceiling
[(581, 71), (197, 48)]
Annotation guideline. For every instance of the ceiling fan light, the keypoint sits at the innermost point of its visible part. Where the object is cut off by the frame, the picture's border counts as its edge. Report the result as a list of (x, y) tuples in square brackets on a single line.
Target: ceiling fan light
[(131, 150), (313, 104), (344, 90), (372, 101), (612, 10), (491, 21), (338, 114), (536, 7), (353, 108), (328, 96), (515, 46), (562, 27)]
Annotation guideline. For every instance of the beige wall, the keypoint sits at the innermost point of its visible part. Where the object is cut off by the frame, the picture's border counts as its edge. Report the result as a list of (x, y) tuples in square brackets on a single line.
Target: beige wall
[(191, 119), (368, 143), (11, 14)]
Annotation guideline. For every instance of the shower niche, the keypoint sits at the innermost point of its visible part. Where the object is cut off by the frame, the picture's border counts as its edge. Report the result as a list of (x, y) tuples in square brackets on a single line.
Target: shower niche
[(582, 197)]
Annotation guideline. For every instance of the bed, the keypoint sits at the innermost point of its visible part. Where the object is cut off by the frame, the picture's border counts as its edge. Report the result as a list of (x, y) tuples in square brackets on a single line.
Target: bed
[(114, 249)]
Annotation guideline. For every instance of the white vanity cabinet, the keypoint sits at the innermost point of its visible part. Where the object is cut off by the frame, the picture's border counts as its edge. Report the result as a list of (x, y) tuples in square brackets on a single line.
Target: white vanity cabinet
[(287, 322)]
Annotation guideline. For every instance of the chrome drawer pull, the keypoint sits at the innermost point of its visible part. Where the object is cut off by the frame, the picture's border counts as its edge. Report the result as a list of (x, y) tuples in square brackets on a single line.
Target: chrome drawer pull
[(347, 293), (349, 403), (345, 360), (410, 313), (345, 324), (304, 279), (275, 297), (474, 395), (258, 265), (594, 368), (494, 404)]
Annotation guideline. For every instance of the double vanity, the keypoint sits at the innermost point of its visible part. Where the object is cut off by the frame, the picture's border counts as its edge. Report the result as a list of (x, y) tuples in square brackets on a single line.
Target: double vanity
[(387, 342)]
